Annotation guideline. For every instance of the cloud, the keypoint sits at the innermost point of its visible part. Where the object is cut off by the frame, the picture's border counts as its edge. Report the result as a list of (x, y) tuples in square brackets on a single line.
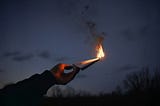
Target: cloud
[(127, 67), (44, 55), (47, 55), (17, 55), (23, 57), (133, 34), (10, 54), (62, 58), (143, 31), (1, 70)]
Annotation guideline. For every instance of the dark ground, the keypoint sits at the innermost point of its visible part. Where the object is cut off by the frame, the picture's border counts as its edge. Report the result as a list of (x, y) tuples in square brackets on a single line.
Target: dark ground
[(110, 100)]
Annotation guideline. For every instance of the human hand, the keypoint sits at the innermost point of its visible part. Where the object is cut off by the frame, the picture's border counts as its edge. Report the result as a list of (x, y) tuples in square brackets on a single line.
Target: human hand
[(61, 77)]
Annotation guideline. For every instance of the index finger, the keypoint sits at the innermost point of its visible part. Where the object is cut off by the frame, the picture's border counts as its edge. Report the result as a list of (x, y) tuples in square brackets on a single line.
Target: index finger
[(63, 66), (69, 67)]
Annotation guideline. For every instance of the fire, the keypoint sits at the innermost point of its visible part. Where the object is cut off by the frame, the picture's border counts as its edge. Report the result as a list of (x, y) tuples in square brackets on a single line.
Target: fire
[(85, 64), (100, 52), (98, 48)]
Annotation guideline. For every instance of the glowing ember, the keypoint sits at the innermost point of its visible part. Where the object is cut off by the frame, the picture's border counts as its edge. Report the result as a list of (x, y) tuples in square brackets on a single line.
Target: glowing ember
[(89, 61), (85, 64)]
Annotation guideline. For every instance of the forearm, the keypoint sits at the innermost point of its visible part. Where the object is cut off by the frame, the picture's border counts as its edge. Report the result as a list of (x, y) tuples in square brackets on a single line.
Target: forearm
[(31, 89)]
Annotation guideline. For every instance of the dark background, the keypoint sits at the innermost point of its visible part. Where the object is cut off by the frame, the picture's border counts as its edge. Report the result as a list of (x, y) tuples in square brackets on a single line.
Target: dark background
[(35, 35)]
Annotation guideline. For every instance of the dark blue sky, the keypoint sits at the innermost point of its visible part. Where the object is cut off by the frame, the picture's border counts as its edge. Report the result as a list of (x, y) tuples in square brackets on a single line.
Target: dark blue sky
[(35, 35)]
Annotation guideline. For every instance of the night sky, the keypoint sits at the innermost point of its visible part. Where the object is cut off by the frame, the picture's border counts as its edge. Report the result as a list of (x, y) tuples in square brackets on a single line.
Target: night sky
[(35, 35)]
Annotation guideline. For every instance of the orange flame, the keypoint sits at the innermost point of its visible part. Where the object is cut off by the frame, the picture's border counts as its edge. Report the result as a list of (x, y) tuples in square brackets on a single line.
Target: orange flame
[(100, 52)]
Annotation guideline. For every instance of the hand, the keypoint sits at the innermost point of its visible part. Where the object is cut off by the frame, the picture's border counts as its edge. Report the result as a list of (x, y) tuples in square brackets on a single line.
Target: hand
[(60, 76)]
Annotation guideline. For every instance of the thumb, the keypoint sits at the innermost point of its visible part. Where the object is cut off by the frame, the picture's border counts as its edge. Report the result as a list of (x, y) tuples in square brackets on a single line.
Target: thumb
[(67, 77)]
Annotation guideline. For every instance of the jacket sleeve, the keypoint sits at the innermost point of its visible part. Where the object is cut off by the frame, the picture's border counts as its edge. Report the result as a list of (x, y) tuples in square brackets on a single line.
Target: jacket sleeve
[(29, 91)]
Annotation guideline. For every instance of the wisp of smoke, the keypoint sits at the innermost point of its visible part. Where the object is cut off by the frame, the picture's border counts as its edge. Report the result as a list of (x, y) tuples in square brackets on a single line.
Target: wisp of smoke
[(96, 37)]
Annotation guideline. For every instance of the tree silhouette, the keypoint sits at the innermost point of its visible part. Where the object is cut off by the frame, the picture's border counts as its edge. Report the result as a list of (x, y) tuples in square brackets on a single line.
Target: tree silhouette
[(143, 81)]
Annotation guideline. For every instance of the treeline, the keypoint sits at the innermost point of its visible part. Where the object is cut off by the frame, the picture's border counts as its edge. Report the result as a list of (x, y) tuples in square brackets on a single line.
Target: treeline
[(140, 88)]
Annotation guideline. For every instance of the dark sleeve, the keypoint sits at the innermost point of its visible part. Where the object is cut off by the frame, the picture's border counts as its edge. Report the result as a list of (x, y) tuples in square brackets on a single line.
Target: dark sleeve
[(29, 91)]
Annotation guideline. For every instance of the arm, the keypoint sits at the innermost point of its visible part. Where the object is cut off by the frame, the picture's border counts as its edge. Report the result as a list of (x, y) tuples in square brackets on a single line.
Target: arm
[(30, 91)]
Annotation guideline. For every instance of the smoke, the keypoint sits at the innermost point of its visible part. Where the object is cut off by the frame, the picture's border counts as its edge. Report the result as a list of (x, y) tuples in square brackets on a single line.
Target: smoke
[(92, 28), (96, 38)]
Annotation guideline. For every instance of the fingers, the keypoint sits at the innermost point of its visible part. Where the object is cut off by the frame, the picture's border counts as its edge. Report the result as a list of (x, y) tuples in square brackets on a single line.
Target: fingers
[(75, 68), (61, 77), (60, 67), (67, 77), (68, 67)]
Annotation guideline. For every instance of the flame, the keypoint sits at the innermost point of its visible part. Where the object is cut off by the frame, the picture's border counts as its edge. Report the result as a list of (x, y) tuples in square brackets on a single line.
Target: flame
[(100, 52)]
